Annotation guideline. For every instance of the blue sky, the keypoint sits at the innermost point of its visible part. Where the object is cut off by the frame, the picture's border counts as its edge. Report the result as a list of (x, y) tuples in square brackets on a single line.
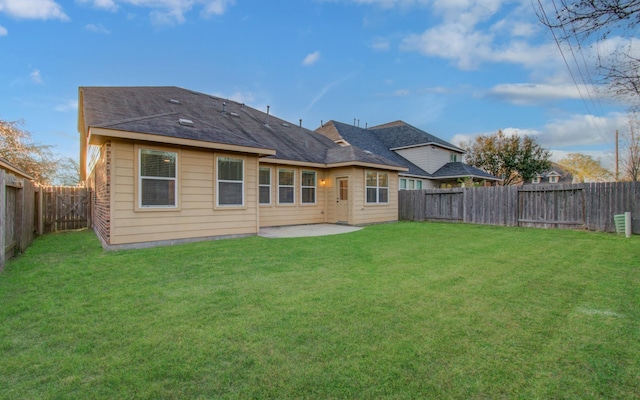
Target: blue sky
[(454, 68)]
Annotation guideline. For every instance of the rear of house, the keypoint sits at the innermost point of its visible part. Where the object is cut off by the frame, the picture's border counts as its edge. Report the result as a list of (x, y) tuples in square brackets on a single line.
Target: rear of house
[(168, 165)]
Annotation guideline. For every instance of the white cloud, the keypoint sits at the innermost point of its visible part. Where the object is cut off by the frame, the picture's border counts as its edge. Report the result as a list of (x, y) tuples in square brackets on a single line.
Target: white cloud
[(380, 44), (3, 31), (217, 7), (167, 12), (401, 92), (311, 59), (102, 4), (69, 105), (579, 131), (35, 76), (532, 93), (238, 97), (33, 9), (469, 48), (326, 89), (97, 28)]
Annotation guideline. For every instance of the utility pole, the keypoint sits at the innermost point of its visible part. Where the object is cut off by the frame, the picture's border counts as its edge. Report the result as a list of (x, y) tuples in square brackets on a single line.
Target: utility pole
[(616, 155)]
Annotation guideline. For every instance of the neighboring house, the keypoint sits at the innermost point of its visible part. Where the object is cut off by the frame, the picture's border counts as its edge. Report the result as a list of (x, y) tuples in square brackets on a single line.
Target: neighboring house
[(556, 174), (430, 161), (168, 165)]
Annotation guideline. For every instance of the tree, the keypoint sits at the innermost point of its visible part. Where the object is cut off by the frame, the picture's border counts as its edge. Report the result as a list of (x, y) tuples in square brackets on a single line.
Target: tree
[(513, 158), (631, 160), (585, 168), (584, 22), (35, 159), (67, 173)]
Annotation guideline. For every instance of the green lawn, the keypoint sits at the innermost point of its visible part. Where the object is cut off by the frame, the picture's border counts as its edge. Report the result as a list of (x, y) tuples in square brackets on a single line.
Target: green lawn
[(405, 310)]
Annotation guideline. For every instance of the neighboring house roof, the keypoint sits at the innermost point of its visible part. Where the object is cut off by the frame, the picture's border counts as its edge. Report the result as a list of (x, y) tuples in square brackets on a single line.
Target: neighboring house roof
[(173, 112), (399, 134), (383, 139), (563, 175), (366, 139), (461, 170)]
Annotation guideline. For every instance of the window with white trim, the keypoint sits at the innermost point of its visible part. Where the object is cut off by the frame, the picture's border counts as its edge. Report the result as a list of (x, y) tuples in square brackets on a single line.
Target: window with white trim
[(553, 179), (230, 181), (158, 182), (410, 184), (453, 157), (265, 185), (286, 191), (377, 187), (308, 187)]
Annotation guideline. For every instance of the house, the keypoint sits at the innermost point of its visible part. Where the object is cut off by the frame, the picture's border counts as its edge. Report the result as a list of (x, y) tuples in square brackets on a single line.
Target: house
[(556, 174), (430, 161), (168, 165)]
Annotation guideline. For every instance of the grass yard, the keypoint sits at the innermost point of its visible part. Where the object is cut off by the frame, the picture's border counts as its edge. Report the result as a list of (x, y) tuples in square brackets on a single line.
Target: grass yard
[(405, 310)]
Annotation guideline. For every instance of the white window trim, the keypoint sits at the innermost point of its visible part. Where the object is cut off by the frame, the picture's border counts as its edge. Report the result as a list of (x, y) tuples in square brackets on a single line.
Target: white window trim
[(139, 206), (218, 181), (260, 185), (314, 187), (292, 186), (377, 187)]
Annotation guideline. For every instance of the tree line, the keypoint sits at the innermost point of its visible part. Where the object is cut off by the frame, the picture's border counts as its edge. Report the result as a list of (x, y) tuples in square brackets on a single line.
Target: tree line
[(36, 159)]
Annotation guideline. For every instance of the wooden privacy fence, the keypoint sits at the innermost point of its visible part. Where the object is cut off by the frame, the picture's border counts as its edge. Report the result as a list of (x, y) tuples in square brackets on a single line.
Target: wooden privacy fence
[(18, 211), (27, 210), (65, 208), (582, 206)]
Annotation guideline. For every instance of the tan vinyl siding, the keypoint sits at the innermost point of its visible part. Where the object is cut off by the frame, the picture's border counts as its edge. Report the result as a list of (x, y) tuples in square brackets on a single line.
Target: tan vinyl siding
[(374, 213), (429, 158), (195, 216), (275, 214), (361, 213)]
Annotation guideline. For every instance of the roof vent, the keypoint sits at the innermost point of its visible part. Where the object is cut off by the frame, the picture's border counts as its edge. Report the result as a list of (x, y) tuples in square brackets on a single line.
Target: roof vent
[(368, 152), (234, 114), (285, 124), (174, 101), (185, 122)]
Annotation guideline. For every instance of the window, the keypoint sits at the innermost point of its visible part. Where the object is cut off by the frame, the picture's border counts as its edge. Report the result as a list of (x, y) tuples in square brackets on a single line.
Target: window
[(265, 185), (412, 184), (553, 179), (308, 187), (230, 181), (377, 187), (285, 186), (419, 185), (158, 183), (403, 183), (453, 157), (536, 180)]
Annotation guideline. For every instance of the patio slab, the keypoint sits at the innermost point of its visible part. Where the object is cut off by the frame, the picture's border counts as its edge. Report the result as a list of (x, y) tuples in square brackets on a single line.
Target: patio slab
[(306, 230)]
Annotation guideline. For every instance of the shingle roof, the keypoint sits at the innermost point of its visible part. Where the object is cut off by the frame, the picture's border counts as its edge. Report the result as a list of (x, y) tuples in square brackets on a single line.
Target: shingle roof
[(459, 169), (400, 134), (367, 140), (159, 110)]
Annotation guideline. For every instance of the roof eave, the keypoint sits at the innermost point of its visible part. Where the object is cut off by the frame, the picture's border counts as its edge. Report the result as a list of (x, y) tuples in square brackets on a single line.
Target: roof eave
[(98, 135)]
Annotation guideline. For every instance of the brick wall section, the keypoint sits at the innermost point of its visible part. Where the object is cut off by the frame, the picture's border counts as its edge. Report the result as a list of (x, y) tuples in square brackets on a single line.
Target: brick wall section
[(100, 182)]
